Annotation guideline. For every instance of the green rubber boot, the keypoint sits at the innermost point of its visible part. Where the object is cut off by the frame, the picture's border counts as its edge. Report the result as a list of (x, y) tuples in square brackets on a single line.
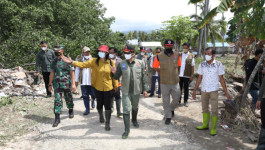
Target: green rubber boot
[(118, 107), (126, 119), (134, 118), (214, 123), (205, 124)]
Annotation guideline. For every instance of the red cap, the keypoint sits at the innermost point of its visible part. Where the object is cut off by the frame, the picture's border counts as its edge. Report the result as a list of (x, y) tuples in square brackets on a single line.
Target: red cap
[(104, 48)]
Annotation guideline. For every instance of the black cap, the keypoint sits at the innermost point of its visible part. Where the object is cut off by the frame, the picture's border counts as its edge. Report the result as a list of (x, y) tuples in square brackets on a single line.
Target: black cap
[(187, 44), (129, 48), (169, 42)]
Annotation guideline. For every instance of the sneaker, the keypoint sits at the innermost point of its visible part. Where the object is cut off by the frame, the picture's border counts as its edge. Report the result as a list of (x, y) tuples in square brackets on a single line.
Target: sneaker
[(159, 95), (186, 104), (168, 120), (151, 95), (93, 104), (119, 115)]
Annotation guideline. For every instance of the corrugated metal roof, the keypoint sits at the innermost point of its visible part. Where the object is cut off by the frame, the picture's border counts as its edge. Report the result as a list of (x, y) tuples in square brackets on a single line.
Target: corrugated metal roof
[(133, 42), (218, 44)]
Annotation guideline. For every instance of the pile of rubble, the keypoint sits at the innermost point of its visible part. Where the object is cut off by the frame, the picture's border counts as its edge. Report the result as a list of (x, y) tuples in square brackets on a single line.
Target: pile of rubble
[(17, 82)]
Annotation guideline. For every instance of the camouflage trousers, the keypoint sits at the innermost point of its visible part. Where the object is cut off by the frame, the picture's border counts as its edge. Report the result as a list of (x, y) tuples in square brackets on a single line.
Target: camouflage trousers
[(58, 102)]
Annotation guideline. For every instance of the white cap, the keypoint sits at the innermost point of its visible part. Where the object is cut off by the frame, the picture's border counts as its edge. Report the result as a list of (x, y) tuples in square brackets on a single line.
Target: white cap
[(86, 49)]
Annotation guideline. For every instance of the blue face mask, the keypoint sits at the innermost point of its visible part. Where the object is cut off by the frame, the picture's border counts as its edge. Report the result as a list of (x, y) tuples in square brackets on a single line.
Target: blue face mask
[(101, 54)]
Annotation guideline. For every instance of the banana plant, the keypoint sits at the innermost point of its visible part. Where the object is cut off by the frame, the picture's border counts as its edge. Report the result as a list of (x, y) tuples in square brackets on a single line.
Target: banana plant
[(224, 6)]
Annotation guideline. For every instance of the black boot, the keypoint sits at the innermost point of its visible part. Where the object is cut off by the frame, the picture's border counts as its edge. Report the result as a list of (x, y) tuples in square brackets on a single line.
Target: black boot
[(168, 121), (71, 113), (101, 117), (86, 103), (118, 107), (261, 143), (173, 113), (57, 120), (126, 119), (107, 116), (112, 103), (134, 118)]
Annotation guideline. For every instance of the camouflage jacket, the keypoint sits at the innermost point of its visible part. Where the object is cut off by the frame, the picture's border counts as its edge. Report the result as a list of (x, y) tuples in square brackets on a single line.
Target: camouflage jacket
[(62, 77)]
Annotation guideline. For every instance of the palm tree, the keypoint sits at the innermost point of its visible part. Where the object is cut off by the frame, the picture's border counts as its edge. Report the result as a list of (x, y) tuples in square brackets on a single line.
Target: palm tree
[(212, 31)]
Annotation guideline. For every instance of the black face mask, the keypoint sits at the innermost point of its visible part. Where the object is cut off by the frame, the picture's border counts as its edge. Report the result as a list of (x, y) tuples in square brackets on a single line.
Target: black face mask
[(57, 54), (169, 50)]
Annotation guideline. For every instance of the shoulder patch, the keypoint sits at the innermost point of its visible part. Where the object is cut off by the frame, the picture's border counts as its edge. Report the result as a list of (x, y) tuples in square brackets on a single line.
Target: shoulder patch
[(123, 66)]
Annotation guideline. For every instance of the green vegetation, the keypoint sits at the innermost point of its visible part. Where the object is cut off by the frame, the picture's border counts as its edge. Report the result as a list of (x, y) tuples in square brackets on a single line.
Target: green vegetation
[(19, 117), (5, 101), (179, 28), (228, 63), (72, 23)]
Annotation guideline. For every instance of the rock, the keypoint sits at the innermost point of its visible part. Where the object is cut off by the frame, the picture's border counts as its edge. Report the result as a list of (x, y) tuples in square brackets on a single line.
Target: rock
[(15, 82), (2, 95), (19, 75), (19, 83)]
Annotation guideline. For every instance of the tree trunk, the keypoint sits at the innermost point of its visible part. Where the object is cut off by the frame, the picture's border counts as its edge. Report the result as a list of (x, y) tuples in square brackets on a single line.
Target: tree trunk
[(223, 36), (251, 78), (200, 43)]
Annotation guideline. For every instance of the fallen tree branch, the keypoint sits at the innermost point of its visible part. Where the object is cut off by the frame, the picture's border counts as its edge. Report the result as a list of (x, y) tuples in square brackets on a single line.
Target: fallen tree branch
[(251, 78)]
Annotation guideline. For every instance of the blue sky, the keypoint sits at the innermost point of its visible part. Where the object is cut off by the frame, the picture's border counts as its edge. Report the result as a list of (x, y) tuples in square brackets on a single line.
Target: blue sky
[(147, 15)]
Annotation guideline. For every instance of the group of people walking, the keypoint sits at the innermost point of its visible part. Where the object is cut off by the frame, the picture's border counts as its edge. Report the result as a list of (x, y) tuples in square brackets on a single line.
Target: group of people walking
[(107, 77)]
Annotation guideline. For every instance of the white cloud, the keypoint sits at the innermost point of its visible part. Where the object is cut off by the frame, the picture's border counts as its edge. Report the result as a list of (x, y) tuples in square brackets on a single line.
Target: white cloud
[(137, 14)]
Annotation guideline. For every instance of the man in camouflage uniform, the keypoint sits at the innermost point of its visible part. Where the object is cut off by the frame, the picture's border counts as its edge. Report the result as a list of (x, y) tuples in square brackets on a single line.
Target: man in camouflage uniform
[(62, 79)]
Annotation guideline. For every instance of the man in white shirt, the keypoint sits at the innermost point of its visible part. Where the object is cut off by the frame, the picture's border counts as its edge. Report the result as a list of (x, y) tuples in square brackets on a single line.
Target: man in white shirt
[(84, 76), (210, 74), (186, 72), (155, 76)]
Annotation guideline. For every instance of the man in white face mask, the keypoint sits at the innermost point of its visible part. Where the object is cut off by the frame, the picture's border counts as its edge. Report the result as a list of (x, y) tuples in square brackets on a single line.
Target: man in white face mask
[(44, 59), (83, 75), (117, 95), (186, 72), (133, 79), (142, 55), (210, 73)]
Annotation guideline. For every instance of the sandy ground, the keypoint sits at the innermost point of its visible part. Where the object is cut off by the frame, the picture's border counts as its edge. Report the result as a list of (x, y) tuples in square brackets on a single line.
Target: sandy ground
[(85, 132)]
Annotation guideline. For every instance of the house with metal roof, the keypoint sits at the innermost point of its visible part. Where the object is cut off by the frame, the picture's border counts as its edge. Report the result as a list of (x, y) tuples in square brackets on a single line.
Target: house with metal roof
[(149, 45), (228, 48)]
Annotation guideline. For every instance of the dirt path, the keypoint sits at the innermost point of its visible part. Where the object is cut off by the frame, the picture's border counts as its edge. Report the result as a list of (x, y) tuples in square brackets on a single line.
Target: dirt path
[(85, 132)]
